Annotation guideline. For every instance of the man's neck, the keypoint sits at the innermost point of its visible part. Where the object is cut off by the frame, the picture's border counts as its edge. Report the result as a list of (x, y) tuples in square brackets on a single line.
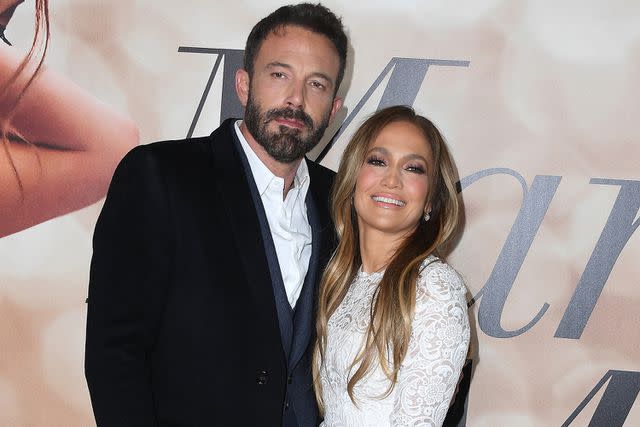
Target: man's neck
[(286, 171)]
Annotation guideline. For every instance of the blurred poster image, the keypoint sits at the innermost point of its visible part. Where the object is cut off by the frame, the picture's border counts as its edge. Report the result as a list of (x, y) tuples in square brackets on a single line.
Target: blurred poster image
[(60, 145)]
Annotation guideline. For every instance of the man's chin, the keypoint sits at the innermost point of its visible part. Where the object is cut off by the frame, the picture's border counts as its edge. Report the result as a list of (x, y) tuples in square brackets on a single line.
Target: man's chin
[(284, 158), (285, 149)]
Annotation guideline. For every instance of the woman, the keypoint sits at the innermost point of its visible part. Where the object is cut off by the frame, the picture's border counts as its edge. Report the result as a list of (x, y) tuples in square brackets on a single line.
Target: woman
[(392, 322), (59, 145)]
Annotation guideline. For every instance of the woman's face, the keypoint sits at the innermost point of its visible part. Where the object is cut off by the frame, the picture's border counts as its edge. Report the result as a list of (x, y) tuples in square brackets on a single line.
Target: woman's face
[(393, 184)]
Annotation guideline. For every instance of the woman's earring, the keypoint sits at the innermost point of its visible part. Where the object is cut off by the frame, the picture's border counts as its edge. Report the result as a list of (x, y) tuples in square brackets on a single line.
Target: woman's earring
[(426, 216)]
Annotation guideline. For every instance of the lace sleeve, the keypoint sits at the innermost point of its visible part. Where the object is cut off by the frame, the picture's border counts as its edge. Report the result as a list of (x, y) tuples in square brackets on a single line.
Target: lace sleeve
[(437, 349)]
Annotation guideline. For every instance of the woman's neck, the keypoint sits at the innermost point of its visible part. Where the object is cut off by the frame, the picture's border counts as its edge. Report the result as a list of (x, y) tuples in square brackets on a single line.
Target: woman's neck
[(377, 249)]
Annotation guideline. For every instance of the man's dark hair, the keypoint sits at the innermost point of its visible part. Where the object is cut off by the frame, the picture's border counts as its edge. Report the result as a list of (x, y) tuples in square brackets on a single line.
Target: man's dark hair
[(313, 17)]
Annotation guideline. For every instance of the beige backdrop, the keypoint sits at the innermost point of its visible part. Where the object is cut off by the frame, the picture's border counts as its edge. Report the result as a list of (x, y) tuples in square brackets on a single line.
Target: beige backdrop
[(551, 89)]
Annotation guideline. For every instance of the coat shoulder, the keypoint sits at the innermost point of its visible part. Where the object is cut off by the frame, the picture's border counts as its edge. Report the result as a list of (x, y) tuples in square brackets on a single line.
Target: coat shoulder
[(171, 150), (176, 151), (320, 174)]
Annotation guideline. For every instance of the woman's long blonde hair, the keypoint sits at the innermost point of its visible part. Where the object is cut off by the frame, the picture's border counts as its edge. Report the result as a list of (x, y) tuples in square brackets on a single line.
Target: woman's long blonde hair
[(387, 337), (12, 92)]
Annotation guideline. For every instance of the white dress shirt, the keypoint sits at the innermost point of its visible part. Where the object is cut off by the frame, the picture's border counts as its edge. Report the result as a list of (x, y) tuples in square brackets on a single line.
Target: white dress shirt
[(288, 221)]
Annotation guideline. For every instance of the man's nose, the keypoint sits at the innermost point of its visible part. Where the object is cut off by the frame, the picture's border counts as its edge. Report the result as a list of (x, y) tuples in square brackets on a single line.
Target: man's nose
[(295, 95)]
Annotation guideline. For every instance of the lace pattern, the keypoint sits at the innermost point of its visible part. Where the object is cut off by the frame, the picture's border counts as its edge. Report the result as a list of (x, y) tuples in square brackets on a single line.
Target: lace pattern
[(430, 371)]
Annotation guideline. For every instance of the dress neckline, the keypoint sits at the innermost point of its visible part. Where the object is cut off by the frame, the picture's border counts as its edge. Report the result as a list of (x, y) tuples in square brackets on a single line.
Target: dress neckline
[(375, 274), (378, 274)]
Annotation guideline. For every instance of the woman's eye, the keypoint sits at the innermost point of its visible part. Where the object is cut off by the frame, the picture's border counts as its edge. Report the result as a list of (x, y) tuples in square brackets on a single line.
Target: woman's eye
[(415, 169), (375, 161)]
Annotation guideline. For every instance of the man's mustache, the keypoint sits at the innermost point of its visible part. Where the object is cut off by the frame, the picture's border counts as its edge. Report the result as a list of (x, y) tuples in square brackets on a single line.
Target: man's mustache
[(288, 113)]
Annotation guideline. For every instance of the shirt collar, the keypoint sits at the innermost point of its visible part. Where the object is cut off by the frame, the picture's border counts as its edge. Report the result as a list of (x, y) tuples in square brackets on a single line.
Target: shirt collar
[(261, 173)]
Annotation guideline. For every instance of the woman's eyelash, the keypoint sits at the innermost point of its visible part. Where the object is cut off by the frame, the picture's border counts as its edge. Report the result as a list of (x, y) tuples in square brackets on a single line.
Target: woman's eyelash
[(378, 161), (416, 168), (375, 161)]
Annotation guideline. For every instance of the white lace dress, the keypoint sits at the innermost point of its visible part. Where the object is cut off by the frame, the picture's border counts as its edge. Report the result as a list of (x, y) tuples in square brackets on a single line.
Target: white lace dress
[(429, 373)]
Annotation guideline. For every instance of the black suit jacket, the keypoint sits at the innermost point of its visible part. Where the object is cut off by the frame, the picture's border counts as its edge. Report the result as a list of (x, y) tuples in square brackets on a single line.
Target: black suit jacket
[(182, 326)]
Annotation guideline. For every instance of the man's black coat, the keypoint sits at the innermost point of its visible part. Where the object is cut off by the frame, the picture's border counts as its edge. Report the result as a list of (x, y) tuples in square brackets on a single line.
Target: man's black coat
[(183, 327)]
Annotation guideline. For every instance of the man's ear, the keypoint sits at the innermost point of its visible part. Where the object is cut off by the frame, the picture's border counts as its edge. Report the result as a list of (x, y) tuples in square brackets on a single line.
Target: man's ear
[(337, 105), (242, 86)]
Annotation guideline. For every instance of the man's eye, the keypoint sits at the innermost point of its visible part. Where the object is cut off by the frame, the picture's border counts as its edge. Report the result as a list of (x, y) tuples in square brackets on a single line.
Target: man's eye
[(278, 75), (317, 85)]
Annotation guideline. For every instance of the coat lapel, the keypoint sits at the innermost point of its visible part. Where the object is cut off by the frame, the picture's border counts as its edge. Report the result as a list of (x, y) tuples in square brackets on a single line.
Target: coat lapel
[(236, 200)]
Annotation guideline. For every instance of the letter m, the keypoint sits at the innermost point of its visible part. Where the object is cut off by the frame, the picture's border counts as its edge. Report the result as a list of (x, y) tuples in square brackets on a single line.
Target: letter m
[(405, 79), (616, 402)]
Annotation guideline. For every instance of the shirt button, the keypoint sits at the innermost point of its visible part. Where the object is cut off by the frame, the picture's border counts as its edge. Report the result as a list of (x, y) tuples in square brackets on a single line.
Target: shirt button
[(286, 406), (289, 380), (262, 377)]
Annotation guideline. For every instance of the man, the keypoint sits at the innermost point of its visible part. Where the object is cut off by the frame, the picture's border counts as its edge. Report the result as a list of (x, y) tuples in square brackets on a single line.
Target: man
[(207, 251)]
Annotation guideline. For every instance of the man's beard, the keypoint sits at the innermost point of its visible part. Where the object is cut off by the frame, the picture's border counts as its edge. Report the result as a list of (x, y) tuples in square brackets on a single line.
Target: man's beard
[(287, 144)]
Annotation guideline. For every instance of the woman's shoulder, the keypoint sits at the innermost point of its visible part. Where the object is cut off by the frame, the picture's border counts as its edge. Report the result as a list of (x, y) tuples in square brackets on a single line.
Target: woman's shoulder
[(438, 278)]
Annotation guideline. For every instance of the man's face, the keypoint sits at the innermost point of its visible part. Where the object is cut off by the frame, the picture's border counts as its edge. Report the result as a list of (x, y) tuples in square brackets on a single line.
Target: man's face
[(289, 99)]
